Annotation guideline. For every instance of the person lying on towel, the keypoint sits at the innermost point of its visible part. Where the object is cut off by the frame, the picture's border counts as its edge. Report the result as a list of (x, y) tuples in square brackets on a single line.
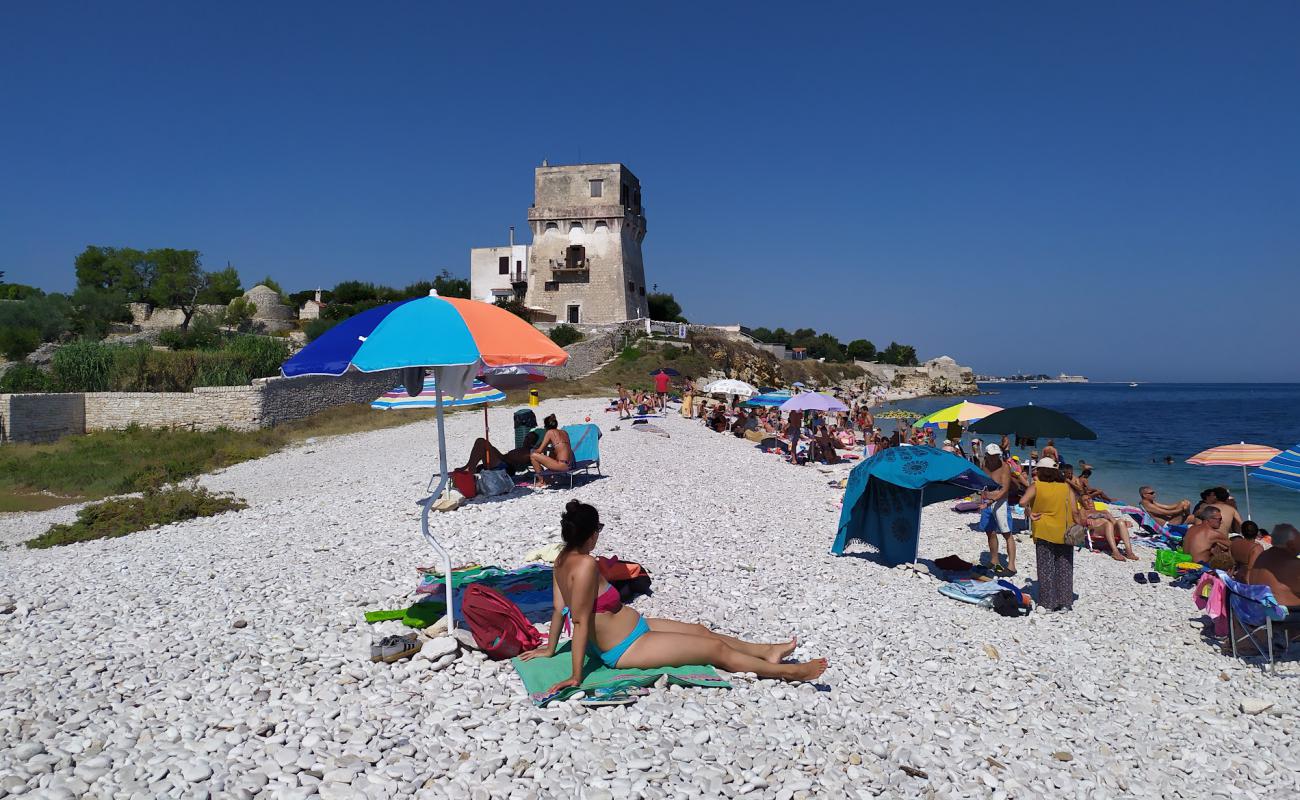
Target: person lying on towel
[(485, 455), (623, 638)]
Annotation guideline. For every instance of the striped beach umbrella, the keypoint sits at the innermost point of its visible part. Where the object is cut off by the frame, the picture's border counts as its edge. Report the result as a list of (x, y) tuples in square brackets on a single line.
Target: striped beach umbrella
[(1237, 455), (1282, 469), (398, 398), (963, 412)]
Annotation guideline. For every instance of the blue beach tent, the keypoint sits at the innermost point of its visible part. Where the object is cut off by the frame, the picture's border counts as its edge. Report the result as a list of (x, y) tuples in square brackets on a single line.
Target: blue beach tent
[(885, 494)]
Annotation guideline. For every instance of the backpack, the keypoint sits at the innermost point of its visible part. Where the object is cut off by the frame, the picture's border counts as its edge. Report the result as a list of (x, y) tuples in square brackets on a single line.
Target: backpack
[(495, 481), (499, 627)]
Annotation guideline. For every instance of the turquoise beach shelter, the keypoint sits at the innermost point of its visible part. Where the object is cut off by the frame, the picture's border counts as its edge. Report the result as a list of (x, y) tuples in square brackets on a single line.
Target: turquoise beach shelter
[(885, 495)]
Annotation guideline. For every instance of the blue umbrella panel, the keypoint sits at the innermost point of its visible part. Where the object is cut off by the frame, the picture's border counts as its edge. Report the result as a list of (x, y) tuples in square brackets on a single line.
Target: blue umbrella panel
[(885, 495), (1282, 469)]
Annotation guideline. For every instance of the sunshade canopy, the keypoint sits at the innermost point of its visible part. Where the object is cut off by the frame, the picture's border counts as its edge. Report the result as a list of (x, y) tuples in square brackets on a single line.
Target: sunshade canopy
[(1033, 422), (480, 392), (885, 493), (730, 386), (813, 401), (963, 412), (767, 399), (426, 332), (1234, 455), (669, 371), (1282, 469)]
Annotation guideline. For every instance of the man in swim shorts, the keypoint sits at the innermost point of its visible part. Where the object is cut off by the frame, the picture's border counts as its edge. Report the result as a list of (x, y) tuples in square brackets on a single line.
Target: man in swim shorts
[(999, 511)]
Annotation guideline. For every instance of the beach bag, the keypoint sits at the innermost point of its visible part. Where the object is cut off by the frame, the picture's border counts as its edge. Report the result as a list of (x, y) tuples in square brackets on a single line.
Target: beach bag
[(1076, 536), (463, 481), (500, 629), (494, 481), (1008, 604), (1167, 561)]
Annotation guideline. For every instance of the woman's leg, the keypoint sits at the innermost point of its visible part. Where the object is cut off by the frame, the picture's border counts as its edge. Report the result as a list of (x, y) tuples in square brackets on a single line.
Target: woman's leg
[(476, 454), (768, 652), (661, 649), (1109, 532), (543, 462)]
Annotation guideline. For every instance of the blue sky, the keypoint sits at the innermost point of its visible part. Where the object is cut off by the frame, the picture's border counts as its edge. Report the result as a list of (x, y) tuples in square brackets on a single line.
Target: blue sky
[(1106, 188)]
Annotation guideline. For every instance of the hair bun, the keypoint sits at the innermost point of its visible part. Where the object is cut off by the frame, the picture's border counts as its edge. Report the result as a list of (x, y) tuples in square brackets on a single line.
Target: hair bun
[(571, 506)]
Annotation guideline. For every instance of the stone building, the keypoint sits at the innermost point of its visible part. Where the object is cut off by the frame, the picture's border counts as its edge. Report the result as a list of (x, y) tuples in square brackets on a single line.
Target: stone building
[(271, 314), (312, 308), (584, 264), (497, 273)]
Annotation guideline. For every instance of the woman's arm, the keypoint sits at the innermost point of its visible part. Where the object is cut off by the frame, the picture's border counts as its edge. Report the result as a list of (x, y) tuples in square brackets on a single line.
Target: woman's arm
[(582, 602), (541, 446), (557, 619)]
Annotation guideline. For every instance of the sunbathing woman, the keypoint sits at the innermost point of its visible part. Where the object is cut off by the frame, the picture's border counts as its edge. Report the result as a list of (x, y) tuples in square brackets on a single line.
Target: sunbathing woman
[(624, 638), (556, 443)]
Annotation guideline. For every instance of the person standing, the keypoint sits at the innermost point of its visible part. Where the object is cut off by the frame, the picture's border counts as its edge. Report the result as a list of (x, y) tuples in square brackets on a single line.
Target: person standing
[(1052, 507), (688, 398), (999, 513), (662, 382)]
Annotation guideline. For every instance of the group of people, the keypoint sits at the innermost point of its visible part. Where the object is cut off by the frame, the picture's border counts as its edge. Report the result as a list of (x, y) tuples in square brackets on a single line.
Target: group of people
[(550, 451), (637, 402)]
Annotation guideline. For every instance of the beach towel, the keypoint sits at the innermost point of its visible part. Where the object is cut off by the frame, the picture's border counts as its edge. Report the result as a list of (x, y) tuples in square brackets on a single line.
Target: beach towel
[(969, 591), (540, 674)]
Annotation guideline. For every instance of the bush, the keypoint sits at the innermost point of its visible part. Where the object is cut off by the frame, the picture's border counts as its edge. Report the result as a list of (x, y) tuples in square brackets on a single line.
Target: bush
[(24, 378), (316, 327), (18, 342), (83, 367), (204, 333), (120, 516), (260, 356), (222, 371), (565, 335)]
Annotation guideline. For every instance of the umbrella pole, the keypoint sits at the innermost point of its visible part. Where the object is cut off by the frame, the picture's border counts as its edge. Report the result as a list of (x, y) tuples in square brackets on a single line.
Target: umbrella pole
[(1246, 478), (920, 507), (487, 439), (428, 502)]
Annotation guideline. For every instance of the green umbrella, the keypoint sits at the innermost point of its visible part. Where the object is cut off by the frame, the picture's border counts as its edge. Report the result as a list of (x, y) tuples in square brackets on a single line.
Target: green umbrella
[(1033, 422)]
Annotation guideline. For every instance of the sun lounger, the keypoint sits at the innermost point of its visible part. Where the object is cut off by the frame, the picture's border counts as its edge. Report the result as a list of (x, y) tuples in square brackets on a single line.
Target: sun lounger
[(585, 440)]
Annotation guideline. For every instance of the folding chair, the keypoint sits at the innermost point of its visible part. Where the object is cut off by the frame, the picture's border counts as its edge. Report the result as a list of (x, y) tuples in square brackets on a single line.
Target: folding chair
[(585, 441), (1253, 610)]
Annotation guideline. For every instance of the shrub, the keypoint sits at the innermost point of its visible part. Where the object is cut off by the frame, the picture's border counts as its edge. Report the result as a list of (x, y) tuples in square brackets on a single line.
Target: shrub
[(17, 342), (83, 367), (629, 353), (670, 353), (260, 356), (222, 371), (565, 335), (316, 327), (204, 333), (24, 378), (120, 516)]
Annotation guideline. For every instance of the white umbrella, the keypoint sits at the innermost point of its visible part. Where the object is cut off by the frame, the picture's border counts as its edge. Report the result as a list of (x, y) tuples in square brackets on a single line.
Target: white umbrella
[(730, 386)]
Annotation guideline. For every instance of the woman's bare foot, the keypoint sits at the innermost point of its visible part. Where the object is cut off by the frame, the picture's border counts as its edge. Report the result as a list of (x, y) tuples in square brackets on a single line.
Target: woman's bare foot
[(808, 670), (778, 652), (1131, 557), (1118, 557)]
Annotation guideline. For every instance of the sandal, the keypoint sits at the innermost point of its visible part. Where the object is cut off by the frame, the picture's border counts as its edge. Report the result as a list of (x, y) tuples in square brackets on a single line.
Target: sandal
[(1140, 578), (1153, 577)]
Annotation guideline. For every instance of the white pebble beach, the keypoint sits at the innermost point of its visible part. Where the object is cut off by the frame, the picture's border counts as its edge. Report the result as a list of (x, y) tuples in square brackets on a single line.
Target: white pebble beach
[(228, 656)]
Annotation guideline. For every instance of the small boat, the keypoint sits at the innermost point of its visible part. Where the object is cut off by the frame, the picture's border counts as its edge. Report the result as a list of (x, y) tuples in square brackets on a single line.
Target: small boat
[(1032, 386), (1132, 386)]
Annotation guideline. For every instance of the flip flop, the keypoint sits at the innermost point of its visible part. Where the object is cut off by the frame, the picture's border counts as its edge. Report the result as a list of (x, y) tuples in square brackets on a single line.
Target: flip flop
[(1140, 578), (1153, 577)]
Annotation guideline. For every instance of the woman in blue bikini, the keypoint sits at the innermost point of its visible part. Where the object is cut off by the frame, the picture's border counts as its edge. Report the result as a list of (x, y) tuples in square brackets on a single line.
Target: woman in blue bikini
[(624, 638)]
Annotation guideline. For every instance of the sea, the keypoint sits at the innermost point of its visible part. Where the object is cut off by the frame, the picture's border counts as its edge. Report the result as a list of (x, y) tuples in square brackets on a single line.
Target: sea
[(1139, 426)]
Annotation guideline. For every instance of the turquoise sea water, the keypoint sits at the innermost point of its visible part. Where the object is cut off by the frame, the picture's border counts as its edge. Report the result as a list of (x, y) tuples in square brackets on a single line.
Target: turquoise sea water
[(1137, 427)]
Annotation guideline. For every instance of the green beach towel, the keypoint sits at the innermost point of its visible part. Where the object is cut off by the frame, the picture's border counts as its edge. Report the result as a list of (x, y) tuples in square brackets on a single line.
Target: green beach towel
[(540, 674)]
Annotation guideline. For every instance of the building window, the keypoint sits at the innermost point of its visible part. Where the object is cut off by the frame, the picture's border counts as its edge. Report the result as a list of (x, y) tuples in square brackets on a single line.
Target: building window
[(643, 291), (575, 257), (601, 226), (575, 315), (575, 226), (551, 226), (551, 286), (631, 287), (503, 265), (597, 188)]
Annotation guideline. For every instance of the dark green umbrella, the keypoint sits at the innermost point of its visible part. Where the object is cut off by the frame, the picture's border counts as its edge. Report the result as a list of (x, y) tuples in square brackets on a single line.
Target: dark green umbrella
[(1033, 422)]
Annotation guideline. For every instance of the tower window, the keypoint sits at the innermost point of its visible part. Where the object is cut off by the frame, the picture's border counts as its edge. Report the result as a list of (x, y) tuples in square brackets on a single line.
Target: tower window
[(597, 188), (503, 265), (575, 257), (575, 314)]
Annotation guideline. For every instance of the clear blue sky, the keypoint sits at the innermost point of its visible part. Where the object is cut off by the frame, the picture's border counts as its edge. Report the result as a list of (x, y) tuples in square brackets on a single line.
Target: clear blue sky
[(1106, 188)]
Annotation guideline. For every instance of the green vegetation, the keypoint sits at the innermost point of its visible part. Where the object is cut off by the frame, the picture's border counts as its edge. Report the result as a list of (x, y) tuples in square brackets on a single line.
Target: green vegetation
[(565, 335), (664, 307), (25, 378), (826, 346), (352, 297), (123, 515)]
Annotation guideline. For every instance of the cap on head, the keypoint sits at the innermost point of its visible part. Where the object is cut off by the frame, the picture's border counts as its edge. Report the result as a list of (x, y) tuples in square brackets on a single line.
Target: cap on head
[(992, 450), (1047, 462)]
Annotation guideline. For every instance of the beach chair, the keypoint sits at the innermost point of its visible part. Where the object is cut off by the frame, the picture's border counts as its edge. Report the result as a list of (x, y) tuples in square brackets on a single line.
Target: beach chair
[(585, 440), (1253, 614)]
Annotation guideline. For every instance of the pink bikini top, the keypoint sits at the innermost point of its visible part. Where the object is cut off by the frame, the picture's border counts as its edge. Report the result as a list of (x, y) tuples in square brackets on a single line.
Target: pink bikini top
[(608, 601)]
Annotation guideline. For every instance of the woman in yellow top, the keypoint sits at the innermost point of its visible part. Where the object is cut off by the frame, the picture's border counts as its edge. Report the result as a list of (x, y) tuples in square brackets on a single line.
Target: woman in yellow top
[(1052, 507)]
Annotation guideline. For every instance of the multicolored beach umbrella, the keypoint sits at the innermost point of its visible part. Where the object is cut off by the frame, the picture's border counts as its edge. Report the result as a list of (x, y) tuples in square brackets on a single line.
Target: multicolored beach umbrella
[(964, 412), (455, 338), (1236, 455), (480, 392)]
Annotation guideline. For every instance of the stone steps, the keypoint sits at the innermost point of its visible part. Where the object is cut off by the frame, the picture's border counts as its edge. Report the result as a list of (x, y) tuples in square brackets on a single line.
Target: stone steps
[(599, 367)]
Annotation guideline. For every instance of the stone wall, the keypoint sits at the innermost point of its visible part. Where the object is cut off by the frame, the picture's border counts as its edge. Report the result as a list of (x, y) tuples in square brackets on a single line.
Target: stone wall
[(268, 402), (40, 417), (586, 355)]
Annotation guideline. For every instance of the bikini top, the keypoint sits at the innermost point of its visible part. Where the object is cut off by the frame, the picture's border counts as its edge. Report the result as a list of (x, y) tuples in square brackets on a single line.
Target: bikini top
[(607, 602)]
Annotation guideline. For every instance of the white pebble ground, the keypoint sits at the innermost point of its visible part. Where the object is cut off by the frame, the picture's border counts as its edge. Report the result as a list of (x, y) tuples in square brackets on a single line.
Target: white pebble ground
[(227, 657)]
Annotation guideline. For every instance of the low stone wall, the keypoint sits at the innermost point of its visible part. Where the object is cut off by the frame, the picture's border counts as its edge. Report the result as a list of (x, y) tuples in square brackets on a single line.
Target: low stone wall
[(204, 409), (586, 355), (268, 402), (285, 399), (40, 417)]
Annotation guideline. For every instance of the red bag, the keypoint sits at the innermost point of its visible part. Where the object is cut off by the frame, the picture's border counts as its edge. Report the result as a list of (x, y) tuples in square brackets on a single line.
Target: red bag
[(499, 627), (464, 483), (615, 569)]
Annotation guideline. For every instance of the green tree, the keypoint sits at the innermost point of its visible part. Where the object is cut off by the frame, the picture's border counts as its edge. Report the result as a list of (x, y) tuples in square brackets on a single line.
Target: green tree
[(861, 350), (899, 355), (25, 324), (18, 291), (95, 310), (124, 270), (514, 307), (239, 314), (272, 284), (762, 334), (179, 280), (780, 336), (449, 285), (222, 287), (350, 292), (565, 335), (663, 307)]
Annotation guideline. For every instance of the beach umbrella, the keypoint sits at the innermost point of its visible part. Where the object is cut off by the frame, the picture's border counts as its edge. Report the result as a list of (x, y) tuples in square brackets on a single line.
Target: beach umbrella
[(456, 338), (669, 371), (885, 494), (516, 376), (963, 412), (1282, 469), (1033, 422), (813, 401), (730, 386), (775, 398), (399, 398), (1236, 455)]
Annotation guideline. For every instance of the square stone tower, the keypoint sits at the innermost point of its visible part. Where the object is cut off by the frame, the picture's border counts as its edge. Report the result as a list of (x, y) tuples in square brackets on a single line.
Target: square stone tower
[(585, 262)]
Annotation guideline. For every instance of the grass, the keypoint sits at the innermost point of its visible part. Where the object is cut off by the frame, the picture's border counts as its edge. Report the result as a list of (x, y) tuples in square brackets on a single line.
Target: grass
[(124, 515), (632, 368), (97, 465)]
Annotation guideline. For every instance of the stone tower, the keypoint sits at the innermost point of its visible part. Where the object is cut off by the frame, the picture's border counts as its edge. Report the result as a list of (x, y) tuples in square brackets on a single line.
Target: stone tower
[(585, 262)]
